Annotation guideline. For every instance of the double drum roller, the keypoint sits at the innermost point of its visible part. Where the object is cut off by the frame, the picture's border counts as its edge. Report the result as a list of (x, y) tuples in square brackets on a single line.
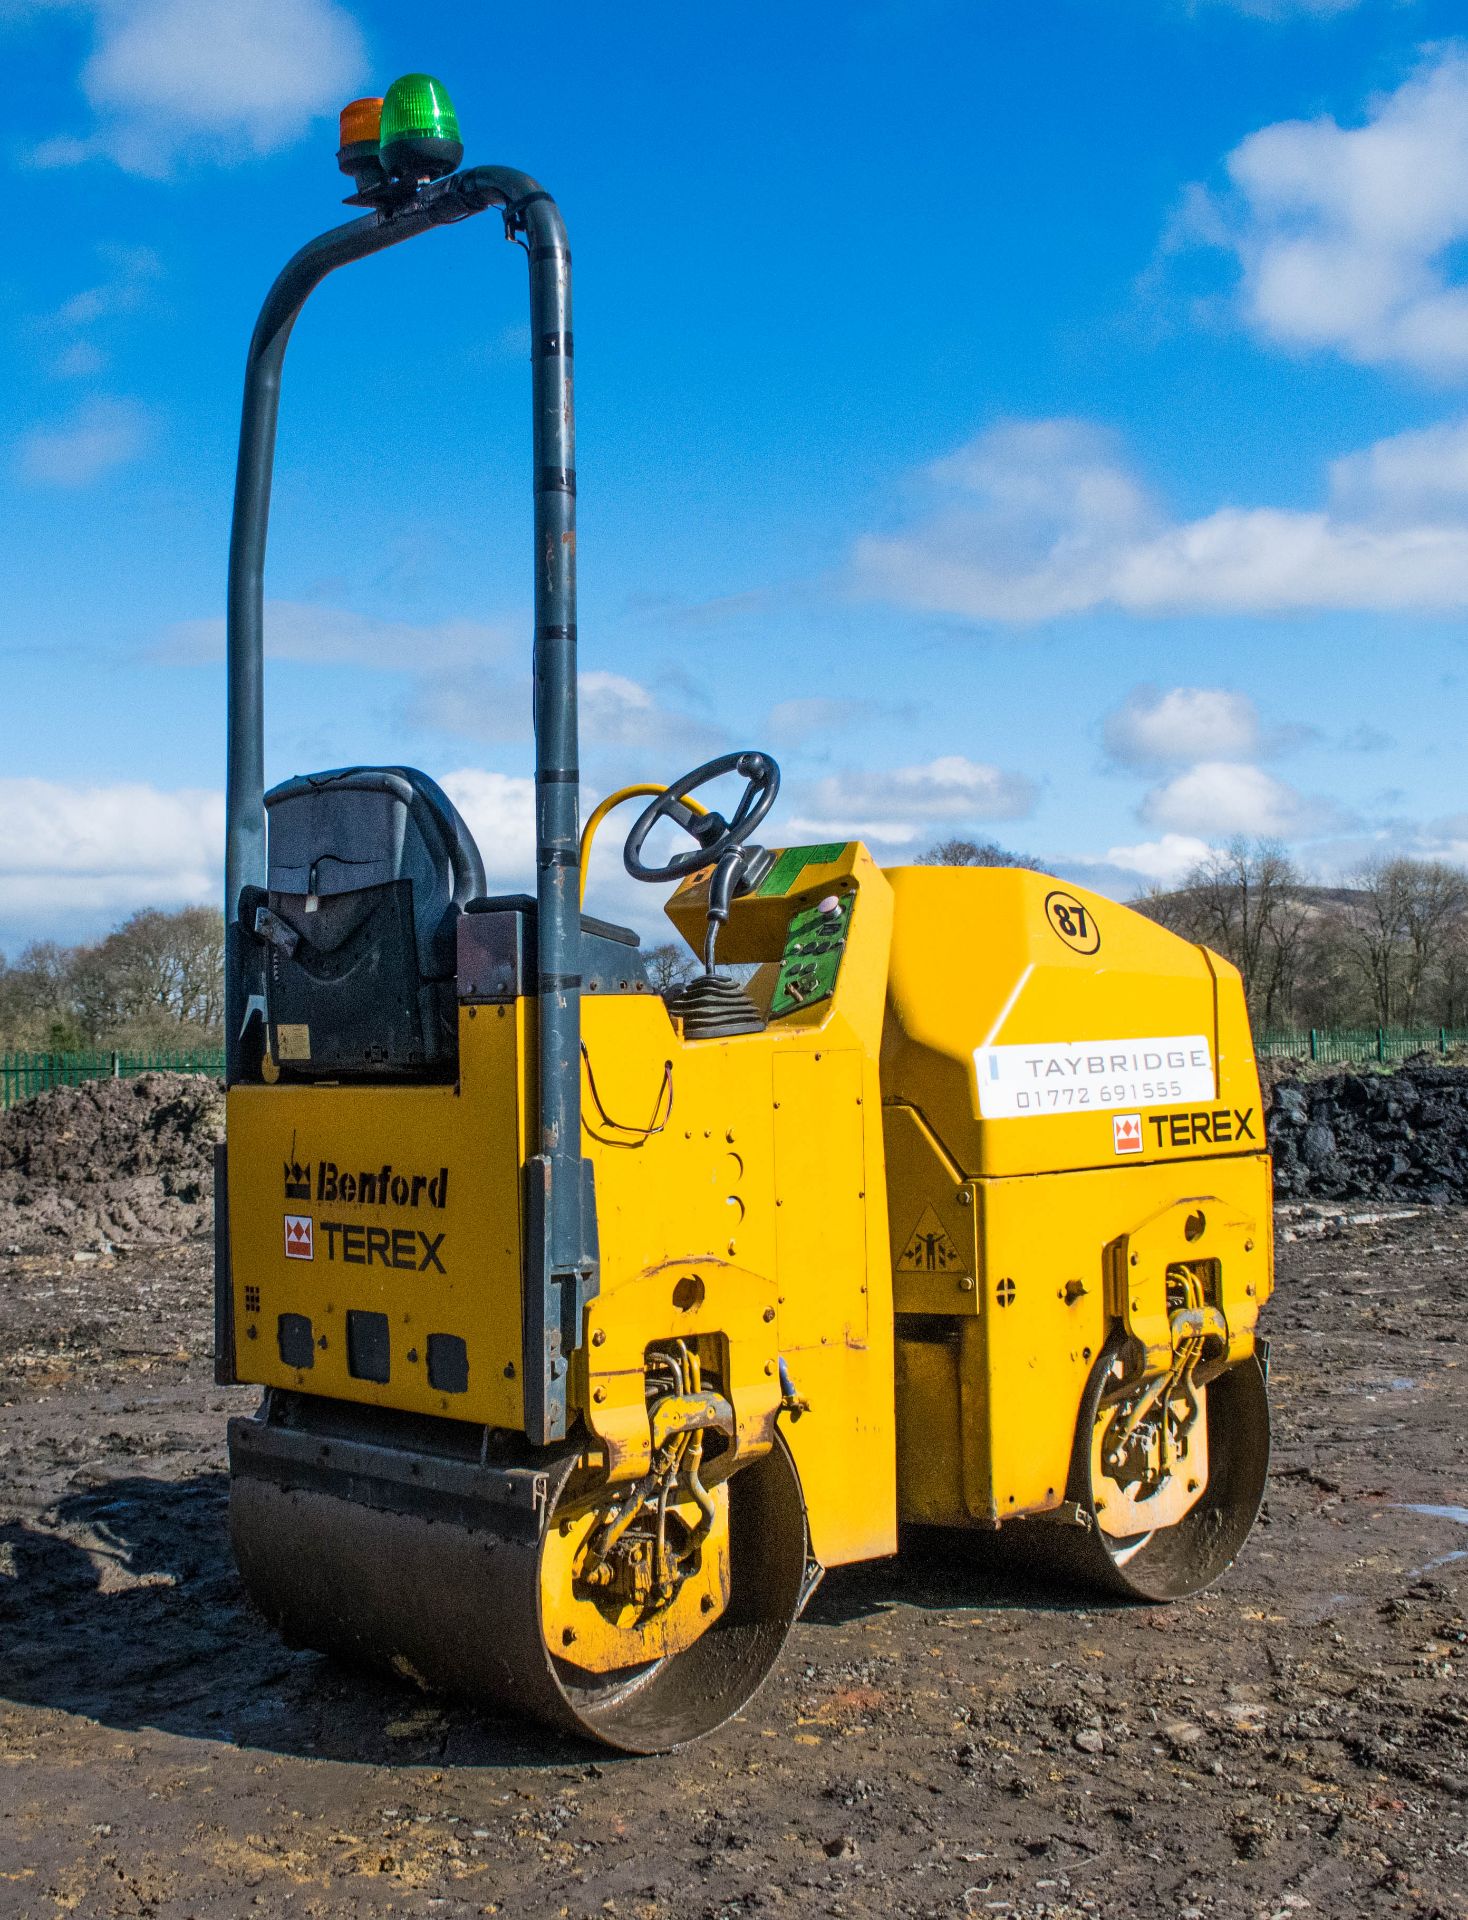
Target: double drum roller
[(596, 1315)]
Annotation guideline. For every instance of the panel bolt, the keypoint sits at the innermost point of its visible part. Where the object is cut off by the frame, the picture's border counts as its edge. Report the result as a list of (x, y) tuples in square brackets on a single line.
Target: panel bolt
[(769, 1315), (769, 1366), (965, 1198), (600, 1395), (599, 1338), (965, 1285)]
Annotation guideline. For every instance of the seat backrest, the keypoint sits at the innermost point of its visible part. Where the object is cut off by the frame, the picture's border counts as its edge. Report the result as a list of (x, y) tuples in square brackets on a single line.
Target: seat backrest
[(359, 827), (368, 871)]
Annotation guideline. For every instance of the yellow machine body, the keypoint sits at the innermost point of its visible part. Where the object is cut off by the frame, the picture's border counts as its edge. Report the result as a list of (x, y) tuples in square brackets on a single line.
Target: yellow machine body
[(932, 1195)]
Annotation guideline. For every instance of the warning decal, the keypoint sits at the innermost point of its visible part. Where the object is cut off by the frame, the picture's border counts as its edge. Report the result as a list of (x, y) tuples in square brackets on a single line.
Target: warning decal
[(929, 1249), (298, 1237)]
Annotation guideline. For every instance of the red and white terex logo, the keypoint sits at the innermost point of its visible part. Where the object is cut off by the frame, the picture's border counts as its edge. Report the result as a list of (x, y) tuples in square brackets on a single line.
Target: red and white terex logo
[(298, 1236), (1126, 1133)]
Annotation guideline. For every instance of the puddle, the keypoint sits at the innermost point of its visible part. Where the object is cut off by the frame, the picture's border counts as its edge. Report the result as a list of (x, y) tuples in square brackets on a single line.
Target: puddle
[(1460, 1514)]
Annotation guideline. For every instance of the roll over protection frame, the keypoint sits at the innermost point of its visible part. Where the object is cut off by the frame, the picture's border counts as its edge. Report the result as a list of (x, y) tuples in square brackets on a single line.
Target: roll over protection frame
[(559, 1237)]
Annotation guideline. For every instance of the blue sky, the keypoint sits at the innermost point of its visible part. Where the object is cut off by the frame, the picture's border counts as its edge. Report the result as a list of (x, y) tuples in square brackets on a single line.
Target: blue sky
[(1047, 423)]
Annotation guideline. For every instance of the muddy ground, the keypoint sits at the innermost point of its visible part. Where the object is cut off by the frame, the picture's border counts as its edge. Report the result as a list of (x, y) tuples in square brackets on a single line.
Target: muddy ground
[(938, 1741)]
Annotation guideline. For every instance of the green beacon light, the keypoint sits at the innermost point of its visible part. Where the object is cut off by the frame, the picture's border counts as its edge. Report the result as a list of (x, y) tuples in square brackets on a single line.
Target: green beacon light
[(420, 130)]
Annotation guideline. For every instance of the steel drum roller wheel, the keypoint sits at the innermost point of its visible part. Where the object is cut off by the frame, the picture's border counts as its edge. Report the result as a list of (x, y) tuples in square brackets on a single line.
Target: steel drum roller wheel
[(460, 1609), (1174, 1561)]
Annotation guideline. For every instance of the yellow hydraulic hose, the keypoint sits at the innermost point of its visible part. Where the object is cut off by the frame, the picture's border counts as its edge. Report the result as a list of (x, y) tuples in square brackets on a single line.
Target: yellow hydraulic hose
[(643, 790)]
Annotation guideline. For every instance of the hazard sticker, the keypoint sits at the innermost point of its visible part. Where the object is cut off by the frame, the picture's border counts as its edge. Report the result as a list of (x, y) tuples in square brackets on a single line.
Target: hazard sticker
[(929, 1249), (298, 1237), (1126, 1132)]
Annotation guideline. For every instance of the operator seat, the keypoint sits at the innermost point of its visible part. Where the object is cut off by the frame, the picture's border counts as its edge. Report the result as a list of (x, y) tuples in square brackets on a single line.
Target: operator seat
[(369, 869)]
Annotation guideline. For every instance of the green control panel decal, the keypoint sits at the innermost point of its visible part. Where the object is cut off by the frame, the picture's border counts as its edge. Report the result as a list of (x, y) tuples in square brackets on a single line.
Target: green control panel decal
[(814, 944), (792, 863)]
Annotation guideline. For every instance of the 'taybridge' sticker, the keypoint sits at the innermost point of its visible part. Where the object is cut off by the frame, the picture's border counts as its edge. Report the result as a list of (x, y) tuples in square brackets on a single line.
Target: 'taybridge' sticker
[(1091, 1076)]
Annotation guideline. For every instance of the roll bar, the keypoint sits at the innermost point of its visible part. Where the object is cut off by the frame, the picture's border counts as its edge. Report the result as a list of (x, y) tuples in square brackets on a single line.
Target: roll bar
[(560, 1242)]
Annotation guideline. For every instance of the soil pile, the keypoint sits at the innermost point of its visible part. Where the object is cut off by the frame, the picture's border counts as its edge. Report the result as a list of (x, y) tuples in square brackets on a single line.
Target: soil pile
[(111, 1163), (1373, 1136)]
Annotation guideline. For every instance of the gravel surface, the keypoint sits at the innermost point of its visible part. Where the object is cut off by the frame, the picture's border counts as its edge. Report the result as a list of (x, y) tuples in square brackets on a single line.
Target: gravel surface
[(940, 1738)]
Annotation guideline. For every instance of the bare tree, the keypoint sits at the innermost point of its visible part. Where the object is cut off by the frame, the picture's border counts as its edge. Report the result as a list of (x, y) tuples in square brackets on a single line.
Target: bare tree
[(157, 980), (1435, 901), (1370, 931), (1452, 975), (156, 970), (37, 999), (1402, 917), (1244, 901), (668, 965), (973, 853)]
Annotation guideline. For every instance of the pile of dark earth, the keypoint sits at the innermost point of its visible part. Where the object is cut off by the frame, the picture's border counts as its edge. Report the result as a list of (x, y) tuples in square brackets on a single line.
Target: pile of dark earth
[(128, 1163), (112, 1163), (1373, 1136)]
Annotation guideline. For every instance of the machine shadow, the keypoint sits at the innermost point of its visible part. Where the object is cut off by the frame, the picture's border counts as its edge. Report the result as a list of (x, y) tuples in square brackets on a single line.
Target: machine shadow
[(123, 1604), (948, 1570)]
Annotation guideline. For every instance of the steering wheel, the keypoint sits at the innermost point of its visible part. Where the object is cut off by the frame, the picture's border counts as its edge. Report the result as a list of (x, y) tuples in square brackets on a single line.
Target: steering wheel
[(715, 835)]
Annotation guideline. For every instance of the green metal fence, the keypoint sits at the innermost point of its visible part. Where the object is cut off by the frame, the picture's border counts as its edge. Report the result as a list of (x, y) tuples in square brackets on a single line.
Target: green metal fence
[(22, 1074), (1340, 1047)]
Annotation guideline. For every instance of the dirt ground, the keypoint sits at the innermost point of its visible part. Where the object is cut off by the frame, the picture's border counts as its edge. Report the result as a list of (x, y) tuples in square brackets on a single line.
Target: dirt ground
[(939, 1740)]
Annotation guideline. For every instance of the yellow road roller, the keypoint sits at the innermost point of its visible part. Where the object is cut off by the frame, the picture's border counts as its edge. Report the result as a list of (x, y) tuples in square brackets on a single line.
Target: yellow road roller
[(595, 1322)]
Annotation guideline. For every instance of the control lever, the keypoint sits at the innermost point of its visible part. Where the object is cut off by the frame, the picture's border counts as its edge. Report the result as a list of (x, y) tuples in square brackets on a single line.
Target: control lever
[(722, 881)]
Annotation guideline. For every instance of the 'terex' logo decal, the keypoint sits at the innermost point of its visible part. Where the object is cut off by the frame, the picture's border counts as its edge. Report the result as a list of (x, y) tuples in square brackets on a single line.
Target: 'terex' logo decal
[(1217, 1126), (408, 1248)]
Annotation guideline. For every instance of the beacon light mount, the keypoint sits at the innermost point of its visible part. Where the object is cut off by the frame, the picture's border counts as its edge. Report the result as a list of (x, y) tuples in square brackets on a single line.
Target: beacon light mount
[(392, 146)]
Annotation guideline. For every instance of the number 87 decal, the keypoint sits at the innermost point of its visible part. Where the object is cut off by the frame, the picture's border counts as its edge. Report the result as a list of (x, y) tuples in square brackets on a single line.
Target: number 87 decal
[(1073, 922)]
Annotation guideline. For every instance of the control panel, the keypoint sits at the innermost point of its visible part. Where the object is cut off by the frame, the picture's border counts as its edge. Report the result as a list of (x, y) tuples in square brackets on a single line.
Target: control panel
[(814, 944)]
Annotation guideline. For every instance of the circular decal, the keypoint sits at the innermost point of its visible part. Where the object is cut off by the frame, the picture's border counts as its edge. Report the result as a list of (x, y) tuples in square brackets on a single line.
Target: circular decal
[(1075, 924)]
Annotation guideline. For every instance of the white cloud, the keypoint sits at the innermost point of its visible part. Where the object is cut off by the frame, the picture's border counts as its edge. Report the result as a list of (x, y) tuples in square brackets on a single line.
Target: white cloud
[(500, 811), (1349, 237), (1035, 521), (1154, 728), (133, 271), (1417, 475), (100, 435), (69, 851), (1025, 523), (1164, 862), (615, 711), (214, 79), (305, 631), (902, 805), (1290, 9), (1221, 797), (80, 361), (794, 722)]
